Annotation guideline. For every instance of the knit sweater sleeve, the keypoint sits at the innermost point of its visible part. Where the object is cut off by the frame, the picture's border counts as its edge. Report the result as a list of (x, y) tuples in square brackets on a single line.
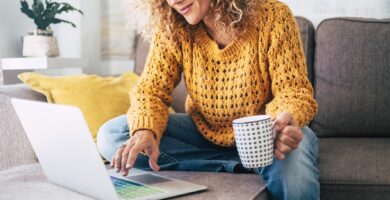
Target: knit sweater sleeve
[(152, 96), (291, 88)]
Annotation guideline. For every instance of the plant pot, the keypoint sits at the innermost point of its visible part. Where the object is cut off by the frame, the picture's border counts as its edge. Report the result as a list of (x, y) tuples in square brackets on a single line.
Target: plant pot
[(40, 43)]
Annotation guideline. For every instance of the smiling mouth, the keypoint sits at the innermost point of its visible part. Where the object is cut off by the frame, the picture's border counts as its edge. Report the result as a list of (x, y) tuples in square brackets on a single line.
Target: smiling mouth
[(185, 9)]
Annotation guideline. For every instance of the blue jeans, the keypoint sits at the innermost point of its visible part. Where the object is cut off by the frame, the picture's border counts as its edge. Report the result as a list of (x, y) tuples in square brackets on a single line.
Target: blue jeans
[(183, 148)]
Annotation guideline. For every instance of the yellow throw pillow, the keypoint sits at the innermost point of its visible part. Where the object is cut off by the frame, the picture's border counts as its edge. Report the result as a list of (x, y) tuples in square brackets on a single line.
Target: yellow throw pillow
[(99, 98)]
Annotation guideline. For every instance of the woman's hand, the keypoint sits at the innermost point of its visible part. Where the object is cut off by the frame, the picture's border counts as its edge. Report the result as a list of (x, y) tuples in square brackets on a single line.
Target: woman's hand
[(287, 134), (142, 141)]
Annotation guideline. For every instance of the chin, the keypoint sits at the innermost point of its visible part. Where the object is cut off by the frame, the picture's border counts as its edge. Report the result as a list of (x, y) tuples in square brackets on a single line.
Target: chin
[(193, 21)]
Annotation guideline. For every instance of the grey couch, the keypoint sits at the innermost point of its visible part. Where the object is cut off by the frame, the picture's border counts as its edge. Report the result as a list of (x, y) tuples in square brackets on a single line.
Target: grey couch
[(349, 65)]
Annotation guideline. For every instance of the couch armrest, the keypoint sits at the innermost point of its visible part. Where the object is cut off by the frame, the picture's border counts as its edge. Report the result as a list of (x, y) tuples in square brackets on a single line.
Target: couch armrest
[(15, 149)]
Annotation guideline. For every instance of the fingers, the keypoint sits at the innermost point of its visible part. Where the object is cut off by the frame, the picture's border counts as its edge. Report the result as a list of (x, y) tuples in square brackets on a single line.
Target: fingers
[(287, 140), (287, 133), (112, 163), (282, 120), (282, 147), (118, 158), (133, 156), (153, 157), (278, 154), (293, 132), (125, 156)]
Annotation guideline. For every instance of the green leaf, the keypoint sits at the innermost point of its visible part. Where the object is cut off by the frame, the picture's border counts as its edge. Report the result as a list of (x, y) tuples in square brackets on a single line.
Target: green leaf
[(48, 3), (51, 11), (38, 7), (57, 21), (65, 7), (26, 9), (44, 12)]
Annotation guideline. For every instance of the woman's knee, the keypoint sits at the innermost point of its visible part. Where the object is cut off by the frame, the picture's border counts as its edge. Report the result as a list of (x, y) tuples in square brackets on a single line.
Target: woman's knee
[(297, 176), (111, 135)]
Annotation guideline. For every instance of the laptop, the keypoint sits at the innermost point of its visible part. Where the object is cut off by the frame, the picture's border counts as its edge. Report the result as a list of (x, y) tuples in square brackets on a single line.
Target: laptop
[(69, 157)]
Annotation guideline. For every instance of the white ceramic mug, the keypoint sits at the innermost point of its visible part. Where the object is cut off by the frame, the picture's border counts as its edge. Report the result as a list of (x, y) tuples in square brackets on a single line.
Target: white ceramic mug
[(254, 141)]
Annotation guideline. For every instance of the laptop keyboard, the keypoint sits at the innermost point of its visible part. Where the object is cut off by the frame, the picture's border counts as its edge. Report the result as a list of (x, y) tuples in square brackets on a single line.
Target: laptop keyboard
[(130, 190)]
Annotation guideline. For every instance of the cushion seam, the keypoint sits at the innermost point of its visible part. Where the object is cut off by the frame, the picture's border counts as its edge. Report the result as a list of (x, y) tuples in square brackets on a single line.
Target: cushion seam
[(351, 184), (357, 20)]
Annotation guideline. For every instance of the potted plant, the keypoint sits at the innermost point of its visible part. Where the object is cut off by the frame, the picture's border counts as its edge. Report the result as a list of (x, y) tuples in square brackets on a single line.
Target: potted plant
[(41, 41)]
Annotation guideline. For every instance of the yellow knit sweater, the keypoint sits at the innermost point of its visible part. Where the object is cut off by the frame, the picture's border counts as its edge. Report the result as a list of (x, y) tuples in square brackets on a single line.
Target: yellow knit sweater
[(262, 71)]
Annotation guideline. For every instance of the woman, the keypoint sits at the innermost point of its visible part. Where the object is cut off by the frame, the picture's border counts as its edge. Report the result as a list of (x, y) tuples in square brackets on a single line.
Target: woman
[(238, 58)]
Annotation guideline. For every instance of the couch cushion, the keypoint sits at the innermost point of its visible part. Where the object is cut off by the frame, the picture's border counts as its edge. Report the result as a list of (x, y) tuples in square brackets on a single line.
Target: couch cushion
[(352, 72), (354, 192), (180, 92), (21, 91), (15, 149), (354, 163), (99, 98), (29, 182)]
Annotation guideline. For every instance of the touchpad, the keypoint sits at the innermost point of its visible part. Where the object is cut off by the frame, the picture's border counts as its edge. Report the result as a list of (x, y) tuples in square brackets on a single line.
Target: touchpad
[(149, 179)]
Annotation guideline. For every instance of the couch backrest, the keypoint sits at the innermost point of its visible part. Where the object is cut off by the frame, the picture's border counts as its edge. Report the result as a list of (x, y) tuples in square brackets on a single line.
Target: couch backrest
[(307, 32), (15, 149), (352, 73), (180, 92)]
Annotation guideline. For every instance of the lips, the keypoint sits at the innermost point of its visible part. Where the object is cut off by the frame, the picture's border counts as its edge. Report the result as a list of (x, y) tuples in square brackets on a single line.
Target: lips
[(185, 9)]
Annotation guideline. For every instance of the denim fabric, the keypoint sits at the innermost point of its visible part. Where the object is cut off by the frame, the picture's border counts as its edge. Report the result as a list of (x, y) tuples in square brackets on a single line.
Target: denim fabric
[(183, 148)]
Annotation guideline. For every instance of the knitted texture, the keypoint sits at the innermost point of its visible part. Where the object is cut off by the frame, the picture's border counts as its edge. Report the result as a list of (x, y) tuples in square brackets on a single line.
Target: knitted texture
[(262, 72)]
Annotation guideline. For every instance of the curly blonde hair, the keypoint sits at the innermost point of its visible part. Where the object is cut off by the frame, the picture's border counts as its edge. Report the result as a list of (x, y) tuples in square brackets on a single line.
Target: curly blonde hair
[(150, 16)]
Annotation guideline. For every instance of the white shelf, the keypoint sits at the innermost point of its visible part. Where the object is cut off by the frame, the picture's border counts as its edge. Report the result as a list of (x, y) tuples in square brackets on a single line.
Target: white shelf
[(41, 63)]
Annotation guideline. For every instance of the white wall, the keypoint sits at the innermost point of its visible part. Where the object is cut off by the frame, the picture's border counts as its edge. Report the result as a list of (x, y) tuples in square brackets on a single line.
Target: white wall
[(14, 25), (91, 35), (69, 38), (85, 40), (91, 42), (318, 10), (315, 10), (117, 40)]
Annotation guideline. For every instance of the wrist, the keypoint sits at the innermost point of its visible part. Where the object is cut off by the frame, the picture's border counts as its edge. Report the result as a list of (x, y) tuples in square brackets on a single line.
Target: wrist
[(144, 131)]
